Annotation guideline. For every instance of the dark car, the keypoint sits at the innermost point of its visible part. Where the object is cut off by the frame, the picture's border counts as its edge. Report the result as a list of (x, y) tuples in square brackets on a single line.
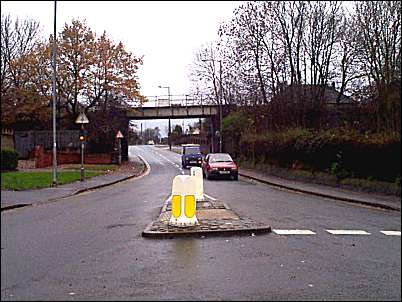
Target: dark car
[(191, 156), (219, 165)]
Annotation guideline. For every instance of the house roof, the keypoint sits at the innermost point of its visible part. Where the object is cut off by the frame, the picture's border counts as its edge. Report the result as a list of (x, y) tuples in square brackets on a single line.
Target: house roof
[(307, 91)]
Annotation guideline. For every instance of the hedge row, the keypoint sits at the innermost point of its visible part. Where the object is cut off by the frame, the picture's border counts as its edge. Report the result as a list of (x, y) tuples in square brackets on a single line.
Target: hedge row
[(9, 159), (344, 152)]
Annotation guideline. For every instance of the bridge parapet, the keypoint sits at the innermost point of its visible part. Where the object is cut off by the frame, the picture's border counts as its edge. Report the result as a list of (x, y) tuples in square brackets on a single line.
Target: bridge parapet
[(178, 101)]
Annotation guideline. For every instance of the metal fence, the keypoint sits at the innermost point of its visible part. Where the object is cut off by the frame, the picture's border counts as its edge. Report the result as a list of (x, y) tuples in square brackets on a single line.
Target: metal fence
[(25, 141), (178, 101)]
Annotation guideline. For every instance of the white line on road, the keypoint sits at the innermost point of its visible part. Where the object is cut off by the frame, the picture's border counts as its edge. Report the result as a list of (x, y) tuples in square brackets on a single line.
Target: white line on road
[(348, 232), (210, 197), (391, 233), (146, 164), (293, 232)]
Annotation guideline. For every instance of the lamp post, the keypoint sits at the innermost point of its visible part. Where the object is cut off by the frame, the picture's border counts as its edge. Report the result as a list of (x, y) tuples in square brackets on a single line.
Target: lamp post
[(82, 119), (169, 142), (54, 102), (219, 99)]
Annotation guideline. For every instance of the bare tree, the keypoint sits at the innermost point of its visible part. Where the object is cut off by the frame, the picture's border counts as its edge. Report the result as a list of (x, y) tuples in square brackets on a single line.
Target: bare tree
[(18, 41), (379, 29)]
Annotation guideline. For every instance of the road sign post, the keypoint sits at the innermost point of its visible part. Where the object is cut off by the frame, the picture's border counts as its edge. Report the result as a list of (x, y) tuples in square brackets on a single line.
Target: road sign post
[(82, 119), (119, 136)]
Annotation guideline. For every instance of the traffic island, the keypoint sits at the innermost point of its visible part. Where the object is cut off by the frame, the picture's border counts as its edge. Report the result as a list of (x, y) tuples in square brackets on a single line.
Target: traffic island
[(215, 218)]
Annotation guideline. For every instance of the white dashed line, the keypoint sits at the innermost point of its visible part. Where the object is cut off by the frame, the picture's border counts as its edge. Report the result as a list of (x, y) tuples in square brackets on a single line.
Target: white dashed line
[(293, 232), (391, 233), (348, 232)]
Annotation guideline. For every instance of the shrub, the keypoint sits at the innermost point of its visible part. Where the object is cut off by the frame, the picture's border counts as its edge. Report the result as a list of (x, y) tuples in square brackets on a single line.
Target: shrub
[(343, 152), (9, 159)]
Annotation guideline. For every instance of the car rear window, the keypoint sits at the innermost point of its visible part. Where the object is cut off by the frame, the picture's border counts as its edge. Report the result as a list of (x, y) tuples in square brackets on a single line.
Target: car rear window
[(191, 150), (215, 158)]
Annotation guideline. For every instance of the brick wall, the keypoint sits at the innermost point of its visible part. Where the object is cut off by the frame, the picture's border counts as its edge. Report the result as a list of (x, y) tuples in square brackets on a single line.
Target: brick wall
[(45, 158)]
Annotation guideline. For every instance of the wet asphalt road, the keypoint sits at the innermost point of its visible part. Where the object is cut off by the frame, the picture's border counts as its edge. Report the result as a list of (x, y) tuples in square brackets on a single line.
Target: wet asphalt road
[(89, 247)]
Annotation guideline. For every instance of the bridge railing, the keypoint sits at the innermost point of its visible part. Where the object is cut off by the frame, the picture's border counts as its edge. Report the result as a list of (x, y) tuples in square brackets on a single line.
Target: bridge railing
[(178, 101)]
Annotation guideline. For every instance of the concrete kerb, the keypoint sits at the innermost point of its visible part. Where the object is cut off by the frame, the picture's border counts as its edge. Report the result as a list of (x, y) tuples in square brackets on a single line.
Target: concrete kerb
[(143, 173), (160, 229), (79, 191), (351, 200), (202, 233)]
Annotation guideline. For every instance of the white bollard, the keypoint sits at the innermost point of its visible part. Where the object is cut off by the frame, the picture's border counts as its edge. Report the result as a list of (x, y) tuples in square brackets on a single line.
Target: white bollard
[(183, 201), (196, 172)]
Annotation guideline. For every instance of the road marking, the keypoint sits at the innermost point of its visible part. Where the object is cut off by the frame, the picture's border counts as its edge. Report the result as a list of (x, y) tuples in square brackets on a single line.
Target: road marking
[(391, 233), (348, 232), (146, 164), (167, 159), (293, 232), (210, 197), (167, 200)]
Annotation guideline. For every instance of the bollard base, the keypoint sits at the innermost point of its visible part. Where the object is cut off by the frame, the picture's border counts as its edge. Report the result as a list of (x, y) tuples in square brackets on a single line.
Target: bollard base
[(183, 222), (215, 218)]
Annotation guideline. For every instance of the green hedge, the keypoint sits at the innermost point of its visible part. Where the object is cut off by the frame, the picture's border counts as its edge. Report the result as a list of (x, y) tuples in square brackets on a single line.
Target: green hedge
[(343, 152), (9, 159)]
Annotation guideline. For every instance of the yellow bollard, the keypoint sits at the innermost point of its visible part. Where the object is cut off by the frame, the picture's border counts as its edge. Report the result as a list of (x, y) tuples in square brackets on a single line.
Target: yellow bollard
[(196, 172), (183, 201)]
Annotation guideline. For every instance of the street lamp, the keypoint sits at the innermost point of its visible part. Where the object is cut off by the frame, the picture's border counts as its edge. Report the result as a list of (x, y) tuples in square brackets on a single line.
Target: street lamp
[(219, 100), (54, 101), (82, 119), (169, 142)]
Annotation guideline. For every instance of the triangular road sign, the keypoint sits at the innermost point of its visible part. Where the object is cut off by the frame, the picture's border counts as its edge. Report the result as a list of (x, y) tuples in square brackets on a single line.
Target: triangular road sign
[(82, 119), (119, 134)]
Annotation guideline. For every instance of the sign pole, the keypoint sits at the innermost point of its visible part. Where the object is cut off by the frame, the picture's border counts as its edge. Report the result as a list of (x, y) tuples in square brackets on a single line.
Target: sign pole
[(82, 156), (119, 136)]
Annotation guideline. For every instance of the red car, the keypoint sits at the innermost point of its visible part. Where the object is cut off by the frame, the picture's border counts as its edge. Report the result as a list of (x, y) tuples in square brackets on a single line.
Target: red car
[(219, 165)]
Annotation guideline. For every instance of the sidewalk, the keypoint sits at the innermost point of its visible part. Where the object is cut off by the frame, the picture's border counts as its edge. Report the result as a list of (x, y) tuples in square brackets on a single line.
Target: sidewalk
[(14, 199), (370, 199)]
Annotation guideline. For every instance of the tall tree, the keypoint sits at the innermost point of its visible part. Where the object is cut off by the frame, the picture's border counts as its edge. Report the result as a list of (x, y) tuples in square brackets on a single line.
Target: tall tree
[(22, 103), (76, 46)]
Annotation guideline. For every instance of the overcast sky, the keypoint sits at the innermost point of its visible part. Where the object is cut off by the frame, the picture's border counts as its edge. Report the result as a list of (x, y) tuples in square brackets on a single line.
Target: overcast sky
[(166, 33)]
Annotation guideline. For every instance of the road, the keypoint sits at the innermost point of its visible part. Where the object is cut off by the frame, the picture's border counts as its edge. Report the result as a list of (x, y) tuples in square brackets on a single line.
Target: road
[(89, 246)]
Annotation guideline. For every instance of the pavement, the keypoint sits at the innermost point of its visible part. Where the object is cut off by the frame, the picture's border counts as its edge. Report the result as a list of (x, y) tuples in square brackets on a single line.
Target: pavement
[(14, 199), (387, 202), (128, 170)]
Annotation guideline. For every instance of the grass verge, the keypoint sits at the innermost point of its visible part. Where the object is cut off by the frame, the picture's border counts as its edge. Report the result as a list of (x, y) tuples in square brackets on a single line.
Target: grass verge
[(35, 180)]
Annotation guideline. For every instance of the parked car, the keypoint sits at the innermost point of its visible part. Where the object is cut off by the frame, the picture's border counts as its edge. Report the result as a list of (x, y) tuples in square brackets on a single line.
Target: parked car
[(219, 165), (151, 142), (191, 155)]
